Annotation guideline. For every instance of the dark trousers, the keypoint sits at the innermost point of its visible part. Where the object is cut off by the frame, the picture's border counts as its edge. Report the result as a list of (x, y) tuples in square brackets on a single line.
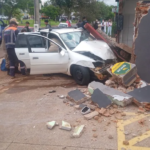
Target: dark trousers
[(12, 60)]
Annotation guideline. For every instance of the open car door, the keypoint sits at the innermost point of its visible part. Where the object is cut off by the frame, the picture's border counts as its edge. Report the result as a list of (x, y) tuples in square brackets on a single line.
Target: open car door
[(54, 59)]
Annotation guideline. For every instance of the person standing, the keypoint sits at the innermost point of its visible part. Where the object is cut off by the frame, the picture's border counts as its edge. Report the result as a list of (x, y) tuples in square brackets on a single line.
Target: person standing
[(48, 26), (109, 31), (103, 25), (10, 36), (27, 27), (84, 22), (95, 25), (79, 24), (68, 22)]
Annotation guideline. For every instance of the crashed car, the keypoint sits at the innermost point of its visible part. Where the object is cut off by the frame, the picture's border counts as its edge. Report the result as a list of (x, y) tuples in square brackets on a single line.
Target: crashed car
[(69, 51)]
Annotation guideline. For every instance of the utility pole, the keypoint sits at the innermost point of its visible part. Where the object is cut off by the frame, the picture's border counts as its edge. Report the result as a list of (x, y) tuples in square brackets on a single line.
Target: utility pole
[(36, 11), (36, 15)]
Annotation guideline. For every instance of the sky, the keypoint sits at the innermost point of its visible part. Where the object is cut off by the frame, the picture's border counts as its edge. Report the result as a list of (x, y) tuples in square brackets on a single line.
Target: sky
[(108, 2)]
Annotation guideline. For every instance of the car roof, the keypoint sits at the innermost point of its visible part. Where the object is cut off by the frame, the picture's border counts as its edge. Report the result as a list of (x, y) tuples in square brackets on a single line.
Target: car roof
[(63, 23), (60, 31)]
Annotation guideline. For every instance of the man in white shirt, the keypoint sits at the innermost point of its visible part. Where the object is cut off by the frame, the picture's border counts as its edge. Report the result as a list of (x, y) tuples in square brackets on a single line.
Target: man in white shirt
[(109, 31)]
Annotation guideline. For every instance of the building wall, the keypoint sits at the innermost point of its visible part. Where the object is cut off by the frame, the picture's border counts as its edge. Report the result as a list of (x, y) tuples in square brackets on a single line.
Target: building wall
[(126, 35)]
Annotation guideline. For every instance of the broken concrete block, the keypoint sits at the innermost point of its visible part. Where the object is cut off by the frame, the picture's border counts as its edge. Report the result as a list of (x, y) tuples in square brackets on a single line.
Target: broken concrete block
[(102, 111), (113, 94), (77, 96), (92, 107), (65, 126), (109, 82), (77, 106), (51, 125), (78, 131), (101, 99), (91, 115), (85, 110)]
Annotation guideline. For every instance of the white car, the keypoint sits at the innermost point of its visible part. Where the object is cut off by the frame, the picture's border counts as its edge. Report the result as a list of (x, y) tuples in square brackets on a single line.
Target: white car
[(70, 51), (63, 25)]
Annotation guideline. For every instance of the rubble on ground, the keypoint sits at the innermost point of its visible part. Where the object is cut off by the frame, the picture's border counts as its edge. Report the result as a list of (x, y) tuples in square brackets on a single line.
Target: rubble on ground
[(51, 125), (78, 131), (65, 126)]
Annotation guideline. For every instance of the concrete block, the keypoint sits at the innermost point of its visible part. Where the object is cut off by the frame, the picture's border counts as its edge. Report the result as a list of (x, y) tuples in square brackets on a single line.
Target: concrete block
[(78, 131), (50, 125), (77, 96), (115, 96), (65, 126), (91, 115)]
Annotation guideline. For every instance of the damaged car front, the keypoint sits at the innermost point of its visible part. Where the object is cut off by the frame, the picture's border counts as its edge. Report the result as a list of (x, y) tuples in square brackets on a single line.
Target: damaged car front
[(98, 52)]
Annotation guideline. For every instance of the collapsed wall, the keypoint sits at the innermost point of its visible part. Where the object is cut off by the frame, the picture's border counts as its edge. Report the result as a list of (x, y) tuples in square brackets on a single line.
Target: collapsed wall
[(142, 40)]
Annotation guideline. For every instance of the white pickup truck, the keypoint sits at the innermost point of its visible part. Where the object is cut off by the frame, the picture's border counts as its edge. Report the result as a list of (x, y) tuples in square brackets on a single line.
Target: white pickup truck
[(70, 51)]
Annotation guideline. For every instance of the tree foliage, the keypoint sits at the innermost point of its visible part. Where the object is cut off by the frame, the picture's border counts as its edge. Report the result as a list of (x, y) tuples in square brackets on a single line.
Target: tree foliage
[(50, 11)]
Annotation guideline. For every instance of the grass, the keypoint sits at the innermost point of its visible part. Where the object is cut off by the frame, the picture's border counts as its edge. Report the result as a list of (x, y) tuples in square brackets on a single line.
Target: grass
[(51, 22)]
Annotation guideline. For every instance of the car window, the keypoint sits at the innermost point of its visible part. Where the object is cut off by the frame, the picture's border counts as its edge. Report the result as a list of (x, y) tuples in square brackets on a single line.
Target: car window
[(72, 39), (36, 41), (63, 25), (21, 41), (44, 45)]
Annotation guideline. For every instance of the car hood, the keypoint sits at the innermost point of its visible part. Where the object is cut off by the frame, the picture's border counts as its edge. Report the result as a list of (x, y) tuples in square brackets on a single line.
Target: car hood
[(98, 48)]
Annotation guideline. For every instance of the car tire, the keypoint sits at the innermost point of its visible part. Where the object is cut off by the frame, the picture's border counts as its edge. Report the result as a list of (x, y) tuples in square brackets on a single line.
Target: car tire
[(81, 75)]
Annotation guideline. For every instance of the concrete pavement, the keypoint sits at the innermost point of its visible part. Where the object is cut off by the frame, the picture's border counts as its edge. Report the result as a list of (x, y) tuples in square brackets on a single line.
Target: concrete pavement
[(26, 105)]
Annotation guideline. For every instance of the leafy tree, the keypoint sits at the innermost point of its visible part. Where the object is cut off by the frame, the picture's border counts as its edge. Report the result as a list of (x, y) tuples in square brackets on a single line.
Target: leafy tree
[(50, 11)]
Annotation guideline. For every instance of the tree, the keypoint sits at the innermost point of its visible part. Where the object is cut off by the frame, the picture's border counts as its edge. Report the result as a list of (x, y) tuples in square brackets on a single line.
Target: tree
[(10, 6), (50, 11)]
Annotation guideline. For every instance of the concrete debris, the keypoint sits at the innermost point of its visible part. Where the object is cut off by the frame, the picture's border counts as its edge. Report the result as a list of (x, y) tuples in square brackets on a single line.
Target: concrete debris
[(101, 99), (102, 111), (92, 107), (77, 106), (91, 115), (115, 96), (110, 137), (85, 110), (96, 117), (95, 135), (78, 131), (61, 96), (77, 96), (65, 126), (52, 91), (51, 125)]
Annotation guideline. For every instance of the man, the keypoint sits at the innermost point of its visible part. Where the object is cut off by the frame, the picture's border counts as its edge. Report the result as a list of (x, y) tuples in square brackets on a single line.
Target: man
[(10, 36), (96, 25), (27, 27), (109, 31), (3, 47), (84, 22), (48, 26)]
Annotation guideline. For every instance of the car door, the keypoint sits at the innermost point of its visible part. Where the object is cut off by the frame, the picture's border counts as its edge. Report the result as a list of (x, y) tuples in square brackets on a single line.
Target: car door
[(22, 50), (52, 60)]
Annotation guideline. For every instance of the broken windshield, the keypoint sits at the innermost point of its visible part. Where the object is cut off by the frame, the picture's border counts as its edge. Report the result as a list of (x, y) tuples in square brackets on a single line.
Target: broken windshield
[(72, 39)]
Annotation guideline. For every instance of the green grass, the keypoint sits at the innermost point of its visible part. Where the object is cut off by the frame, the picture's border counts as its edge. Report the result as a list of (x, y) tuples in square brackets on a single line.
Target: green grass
[(51, 22)]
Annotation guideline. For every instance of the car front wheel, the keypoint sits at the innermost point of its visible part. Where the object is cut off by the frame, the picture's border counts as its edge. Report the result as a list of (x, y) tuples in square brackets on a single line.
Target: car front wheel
[(81, 75)]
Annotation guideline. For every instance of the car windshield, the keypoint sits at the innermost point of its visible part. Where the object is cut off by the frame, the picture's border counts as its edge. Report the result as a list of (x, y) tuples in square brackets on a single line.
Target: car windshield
[(72, 39)]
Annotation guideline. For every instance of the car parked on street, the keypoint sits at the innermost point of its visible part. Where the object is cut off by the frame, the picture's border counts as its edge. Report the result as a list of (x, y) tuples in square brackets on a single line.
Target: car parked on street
[(70, 51), (63, 25)]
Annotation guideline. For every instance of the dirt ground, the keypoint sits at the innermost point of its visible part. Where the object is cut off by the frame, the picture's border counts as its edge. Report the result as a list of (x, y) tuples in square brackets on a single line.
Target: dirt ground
[(26, 106)]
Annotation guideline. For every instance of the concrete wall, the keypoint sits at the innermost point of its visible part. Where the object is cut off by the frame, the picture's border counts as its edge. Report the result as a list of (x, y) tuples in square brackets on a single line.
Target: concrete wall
[(126, 35)]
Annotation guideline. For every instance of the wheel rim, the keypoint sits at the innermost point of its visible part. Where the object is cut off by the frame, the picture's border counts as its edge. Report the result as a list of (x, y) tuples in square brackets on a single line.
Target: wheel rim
[(79, 75)]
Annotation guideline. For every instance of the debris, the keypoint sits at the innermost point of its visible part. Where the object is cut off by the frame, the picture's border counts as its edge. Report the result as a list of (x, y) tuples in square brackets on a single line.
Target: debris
[(96, 117), (61, 96), (91, 115), (77, 106), (102, 111), (141, 121), (77, 96), (85, 110), (116, 96), (92, 107), (65, 126), (95, 135), (125, 72), (71, 104), (142, 97), (50, 125), (110, 137), (115, 106), (52, 91), (78, 131), (94, 129), (82, 106), (109, 82), (125, 143), (101, 99)]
